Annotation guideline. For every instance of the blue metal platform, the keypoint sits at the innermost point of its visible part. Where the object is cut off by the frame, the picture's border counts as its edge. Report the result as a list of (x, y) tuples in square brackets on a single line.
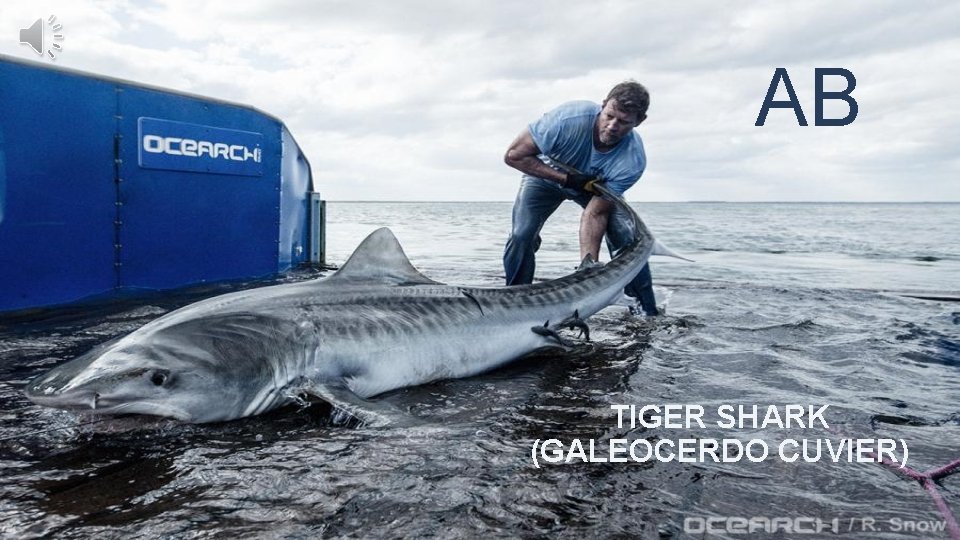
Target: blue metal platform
[(107, 184)]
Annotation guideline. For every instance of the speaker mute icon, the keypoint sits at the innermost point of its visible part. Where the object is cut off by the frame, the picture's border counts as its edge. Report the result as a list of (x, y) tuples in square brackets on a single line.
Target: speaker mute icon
[(34, 37)]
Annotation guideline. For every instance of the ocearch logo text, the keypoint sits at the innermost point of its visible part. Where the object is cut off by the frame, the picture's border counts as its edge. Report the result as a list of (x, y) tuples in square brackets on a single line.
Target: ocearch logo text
[(176, 146)]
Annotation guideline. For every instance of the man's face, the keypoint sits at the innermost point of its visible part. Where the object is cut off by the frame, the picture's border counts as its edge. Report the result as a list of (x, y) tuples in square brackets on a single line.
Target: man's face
[(613, 124)]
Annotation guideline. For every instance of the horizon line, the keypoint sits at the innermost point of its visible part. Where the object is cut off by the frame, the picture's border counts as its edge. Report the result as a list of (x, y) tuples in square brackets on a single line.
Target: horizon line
[(645, 202)]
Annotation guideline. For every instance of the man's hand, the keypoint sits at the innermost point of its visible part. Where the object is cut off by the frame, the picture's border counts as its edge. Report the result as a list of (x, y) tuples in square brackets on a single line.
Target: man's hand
[(581, 182)]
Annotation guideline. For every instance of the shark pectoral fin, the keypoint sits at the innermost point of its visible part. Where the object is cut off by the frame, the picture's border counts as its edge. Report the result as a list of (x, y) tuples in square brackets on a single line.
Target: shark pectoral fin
[(349, 405)]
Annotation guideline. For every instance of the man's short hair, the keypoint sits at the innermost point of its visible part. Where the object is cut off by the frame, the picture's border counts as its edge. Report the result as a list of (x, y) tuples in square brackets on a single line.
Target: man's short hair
[(631, 97)]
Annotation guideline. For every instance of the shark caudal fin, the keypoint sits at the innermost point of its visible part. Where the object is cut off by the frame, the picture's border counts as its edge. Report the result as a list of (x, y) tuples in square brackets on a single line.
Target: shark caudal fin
[(659, 248)]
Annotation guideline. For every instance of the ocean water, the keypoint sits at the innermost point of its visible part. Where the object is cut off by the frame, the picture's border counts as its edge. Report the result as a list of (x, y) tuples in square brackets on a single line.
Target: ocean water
[(852, 306)]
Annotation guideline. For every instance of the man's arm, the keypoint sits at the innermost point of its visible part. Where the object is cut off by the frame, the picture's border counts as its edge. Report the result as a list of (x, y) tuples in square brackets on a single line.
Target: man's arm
[(593, 224), (522, 155)]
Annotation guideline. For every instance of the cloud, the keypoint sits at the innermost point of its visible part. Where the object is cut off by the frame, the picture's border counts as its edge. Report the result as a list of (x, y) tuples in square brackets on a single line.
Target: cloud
[(418, 100)]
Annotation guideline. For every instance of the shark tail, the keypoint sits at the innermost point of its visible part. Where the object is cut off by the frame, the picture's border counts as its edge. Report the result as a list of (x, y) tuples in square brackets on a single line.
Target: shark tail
[(659, 248)]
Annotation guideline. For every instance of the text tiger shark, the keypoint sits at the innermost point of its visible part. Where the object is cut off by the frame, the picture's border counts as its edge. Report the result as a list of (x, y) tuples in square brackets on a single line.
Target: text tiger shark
[(375, 325)]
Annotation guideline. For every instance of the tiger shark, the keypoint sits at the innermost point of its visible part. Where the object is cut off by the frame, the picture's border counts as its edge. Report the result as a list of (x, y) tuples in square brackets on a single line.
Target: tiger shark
[(375, 325)]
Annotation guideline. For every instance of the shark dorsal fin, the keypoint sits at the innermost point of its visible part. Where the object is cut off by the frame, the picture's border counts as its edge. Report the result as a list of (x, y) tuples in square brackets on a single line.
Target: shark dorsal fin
[(380, 259), (588, 262)]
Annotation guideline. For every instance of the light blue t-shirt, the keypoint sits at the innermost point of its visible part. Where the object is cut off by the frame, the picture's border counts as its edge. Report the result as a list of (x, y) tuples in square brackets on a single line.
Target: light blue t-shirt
[(566, 135)]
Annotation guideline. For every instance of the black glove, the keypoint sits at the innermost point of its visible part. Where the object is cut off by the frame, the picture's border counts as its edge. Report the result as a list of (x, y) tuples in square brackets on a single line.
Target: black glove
[(581, 182)]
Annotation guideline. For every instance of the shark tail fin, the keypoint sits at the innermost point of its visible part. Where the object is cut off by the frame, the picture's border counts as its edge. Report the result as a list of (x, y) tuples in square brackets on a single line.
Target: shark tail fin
[(659, 248)]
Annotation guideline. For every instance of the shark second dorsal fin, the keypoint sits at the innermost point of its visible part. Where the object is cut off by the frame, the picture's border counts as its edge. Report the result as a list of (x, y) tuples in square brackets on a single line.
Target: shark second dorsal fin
[(588, 262), (380, 259)]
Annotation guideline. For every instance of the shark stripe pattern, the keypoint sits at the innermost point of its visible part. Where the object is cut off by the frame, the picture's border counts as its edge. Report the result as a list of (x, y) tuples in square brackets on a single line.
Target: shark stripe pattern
[(375, 325)]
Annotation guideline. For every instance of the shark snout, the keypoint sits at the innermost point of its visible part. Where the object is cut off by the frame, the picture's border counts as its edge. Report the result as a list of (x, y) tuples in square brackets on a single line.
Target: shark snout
[(63, 389), (106, 401), (76, 399)]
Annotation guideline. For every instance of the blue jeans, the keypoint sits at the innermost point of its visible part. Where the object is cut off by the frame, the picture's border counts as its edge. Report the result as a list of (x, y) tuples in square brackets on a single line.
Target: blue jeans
[(536, 201)]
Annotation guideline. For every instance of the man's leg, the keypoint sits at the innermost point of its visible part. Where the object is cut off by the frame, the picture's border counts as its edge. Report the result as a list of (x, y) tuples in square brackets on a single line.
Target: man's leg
[(620, 232), (536, 200), (641, 288)]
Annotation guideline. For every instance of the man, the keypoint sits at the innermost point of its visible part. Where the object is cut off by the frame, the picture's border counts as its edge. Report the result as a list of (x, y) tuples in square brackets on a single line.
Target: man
[(560, 156)]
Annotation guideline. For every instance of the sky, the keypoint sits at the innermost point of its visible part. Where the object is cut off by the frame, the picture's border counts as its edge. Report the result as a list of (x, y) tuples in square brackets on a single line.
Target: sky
[(418, 100)]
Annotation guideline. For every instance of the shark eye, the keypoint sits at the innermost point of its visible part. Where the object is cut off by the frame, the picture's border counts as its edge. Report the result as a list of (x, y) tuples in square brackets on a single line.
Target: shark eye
[(158, 378)]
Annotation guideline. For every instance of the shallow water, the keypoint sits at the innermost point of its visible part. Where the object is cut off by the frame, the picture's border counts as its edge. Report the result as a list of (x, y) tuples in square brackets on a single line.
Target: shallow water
[(786, 304)]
